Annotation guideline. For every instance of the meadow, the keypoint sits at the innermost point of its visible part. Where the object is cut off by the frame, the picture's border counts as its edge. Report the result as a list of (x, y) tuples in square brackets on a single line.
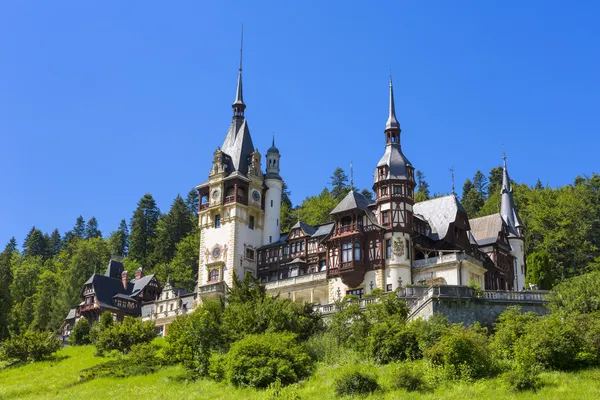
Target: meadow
[(59, 379)]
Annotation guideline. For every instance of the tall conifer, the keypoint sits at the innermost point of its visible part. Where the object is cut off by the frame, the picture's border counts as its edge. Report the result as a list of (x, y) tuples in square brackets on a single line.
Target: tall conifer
[(143, 230)]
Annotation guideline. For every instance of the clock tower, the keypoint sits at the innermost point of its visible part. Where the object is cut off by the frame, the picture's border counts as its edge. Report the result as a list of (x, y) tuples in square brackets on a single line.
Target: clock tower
[(231, 214)]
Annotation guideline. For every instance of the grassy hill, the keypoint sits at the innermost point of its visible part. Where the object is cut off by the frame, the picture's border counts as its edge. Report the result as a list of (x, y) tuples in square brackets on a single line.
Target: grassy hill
[(59, 379)]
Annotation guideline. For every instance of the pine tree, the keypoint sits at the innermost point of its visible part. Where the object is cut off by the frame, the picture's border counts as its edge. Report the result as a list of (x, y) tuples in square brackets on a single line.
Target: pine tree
[(6, 279), (119, 240), (473, 202), (339, 184), (285, 195), (480, 183), (468, 185), (54, 243), (191, 202), (171, 228), (538, 185), (368, 194), (422, 187), (35, 244), (91, 230), (79, 228), (495, 181), (143, 230)]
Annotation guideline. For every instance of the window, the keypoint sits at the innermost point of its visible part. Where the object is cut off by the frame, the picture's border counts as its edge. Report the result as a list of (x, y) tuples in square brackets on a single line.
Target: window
[(407, 249), (285, 251), (322, 266), (384, 190), (270, 239), (302, 245), (160, 309), (213, 275), (388, 248), (277, 221), (346, 252), (171, 307), (217, 221), (250, 254), (396, 189), (356, 292), (385, 217), (357, 251), (271, 203), (251, 222), (388, 287)]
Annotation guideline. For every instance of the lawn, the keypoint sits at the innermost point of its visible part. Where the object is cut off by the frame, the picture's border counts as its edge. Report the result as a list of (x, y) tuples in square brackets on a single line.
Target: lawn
[(59, 379)]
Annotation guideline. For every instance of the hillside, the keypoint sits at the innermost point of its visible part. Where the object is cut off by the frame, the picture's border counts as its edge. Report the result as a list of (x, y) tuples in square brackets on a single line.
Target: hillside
[(59, 380)]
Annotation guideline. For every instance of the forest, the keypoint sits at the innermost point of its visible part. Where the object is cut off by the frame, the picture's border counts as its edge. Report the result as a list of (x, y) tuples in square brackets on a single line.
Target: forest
[(41, 280)]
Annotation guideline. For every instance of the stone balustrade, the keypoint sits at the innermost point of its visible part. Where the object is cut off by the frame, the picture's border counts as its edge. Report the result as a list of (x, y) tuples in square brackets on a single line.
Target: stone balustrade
[(317, 277)]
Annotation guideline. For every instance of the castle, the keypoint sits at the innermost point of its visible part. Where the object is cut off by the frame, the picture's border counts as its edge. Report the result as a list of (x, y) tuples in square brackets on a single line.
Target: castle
[(381, 244)]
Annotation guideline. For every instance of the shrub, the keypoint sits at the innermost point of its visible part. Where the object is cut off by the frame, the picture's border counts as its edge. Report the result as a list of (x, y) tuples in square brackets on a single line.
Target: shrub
[(217, 366), (463, 352), (409, 380), (510, 326), (428, 332), (393, 341), (577, 295), (355, 383), (29, 346), (193, 337), (141, 360), (276, 391), (552, 343), (259, 360), (520, 380), (81, 333), (350, 326), (122, 336)]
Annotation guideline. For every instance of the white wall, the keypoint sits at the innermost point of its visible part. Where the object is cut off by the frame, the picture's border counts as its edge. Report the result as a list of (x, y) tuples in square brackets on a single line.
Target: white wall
[(272, 212)]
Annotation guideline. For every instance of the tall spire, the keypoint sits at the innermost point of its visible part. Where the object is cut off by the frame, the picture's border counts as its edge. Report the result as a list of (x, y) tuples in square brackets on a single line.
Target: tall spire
[(392, 122), (508, 210), (238, 104)]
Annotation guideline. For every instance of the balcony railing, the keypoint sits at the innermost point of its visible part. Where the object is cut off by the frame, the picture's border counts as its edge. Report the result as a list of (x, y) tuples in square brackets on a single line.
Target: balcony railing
[(297, 280), (446, 258), (87, 307), (212, 288)]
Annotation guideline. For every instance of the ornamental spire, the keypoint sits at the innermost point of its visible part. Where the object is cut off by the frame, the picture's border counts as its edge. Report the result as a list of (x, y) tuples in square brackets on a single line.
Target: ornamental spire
[(238, 104), (392, 122), (508, 210)]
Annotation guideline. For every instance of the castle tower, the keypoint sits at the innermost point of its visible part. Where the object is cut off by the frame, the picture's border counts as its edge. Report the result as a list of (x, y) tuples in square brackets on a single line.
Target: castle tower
[(509, 214), (394, 193), (231, 212), (274, 183)]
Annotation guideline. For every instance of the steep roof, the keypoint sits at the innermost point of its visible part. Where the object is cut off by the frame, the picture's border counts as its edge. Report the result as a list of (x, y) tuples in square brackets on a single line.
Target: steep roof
[(238, 145), (486, 229), (507, 206), (323, 230), (396, 163), (440, 213), (140, 284), (106, 288), (115, 269), (353, 200)]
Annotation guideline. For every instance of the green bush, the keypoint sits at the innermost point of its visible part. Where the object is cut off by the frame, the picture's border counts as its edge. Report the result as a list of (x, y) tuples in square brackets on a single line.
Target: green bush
[(122, 336), (217, 366), (141, 360), (323, 347), (106, 320), (355, 383), (81, 333), (428, 332), (29, 346), (193, 337), (509, 328), (409, 380), (552, 343), (579, 294), (463, 352), (393, 341), (350, 326), (259, 360), (520, 380)]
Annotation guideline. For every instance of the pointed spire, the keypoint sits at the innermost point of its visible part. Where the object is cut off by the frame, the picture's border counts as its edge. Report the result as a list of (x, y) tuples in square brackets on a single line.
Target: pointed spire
[(392, 122), (238, 104), (508, 210), (273, 144)]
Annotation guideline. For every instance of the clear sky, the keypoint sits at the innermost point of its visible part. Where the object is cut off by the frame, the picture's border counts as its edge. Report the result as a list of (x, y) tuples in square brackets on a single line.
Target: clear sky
[(101, 102)]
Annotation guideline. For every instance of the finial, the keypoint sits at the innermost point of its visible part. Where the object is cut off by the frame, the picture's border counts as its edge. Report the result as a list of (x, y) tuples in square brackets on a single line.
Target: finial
[(392, 122), (452, 170), (241, 46), (351, 176), (273, 144)]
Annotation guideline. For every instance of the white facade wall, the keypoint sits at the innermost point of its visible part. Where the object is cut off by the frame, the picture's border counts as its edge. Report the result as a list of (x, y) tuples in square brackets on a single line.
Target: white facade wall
[(271, 231), (518, 252)]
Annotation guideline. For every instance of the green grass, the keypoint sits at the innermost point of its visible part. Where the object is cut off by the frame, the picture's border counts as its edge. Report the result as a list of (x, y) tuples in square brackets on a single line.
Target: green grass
[(59, 379)]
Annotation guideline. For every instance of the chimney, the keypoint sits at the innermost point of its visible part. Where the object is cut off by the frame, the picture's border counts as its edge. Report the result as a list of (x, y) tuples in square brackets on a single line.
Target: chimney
[(124, 279), (139, 274)]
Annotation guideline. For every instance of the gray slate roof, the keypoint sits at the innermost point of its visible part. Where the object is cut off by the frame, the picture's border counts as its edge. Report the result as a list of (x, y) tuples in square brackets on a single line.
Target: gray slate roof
[(353, 200), (323, 230), (396, 162), (507, 206), (440, 213), (486, 229), (114, 269), (308, 229), (238, 145)]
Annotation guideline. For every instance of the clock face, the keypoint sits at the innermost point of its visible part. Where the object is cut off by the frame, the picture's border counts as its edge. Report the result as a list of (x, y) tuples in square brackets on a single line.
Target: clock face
[(215, 194), (256, 195), (216, 252)]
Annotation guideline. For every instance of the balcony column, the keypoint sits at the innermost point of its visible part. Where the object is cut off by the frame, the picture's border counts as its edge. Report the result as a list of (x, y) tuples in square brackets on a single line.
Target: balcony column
[(293, 296), (235, 192), (312, 295)]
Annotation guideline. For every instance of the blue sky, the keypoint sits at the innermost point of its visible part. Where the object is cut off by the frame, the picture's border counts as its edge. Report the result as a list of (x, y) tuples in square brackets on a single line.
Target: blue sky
[(101, 102)]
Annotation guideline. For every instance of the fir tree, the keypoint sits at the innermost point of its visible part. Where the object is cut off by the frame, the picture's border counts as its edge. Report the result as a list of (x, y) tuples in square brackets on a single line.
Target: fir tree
[(172, 227), (495, 181), (119, 240), (54, 243), (473, 202), (468, 185), (6, 279), (422, 187), (35, 244), (91, 229), (285, 195), (339, 184), (480, 183), (368, 194), (143, 230), (538, 185), (79, 228), (191, 202)]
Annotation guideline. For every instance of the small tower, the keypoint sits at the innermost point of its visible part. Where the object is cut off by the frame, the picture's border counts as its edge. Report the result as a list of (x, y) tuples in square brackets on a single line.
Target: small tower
[(274, 183), (509, 214), (394, 196)]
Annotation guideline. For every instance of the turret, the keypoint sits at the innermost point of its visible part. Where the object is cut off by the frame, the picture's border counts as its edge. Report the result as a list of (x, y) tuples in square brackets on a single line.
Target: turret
[(274, 183)]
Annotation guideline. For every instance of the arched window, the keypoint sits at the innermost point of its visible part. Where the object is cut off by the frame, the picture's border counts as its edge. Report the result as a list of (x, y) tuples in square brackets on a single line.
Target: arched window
[(229, 191), (357, 251), (213, 275)]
